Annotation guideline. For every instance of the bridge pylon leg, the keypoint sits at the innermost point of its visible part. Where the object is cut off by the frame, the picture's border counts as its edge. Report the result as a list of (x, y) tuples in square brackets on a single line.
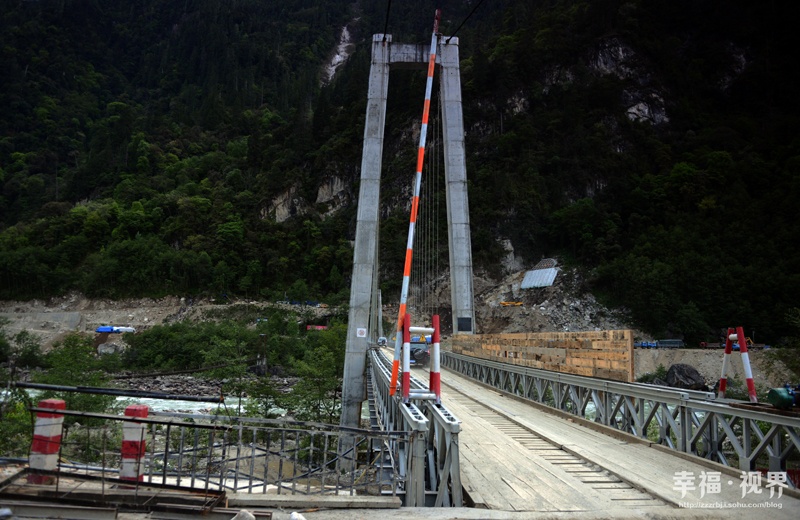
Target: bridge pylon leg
[(366, 244)]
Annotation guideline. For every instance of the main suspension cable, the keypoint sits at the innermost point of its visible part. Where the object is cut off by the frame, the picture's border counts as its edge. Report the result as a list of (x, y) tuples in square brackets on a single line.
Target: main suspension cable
[(386, 23), (465, 21)]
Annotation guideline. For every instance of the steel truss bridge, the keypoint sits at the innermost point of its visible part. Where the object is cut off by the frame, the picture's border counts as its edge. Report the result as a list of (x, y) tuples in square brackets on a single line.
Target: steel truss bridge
[(683, 420)]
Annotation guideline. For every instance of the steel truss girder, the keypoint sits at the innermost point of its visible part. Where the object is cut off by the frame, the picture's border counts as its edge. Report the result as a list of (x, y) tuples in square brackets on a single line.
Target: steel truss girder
[(686, 421), (429, 463)]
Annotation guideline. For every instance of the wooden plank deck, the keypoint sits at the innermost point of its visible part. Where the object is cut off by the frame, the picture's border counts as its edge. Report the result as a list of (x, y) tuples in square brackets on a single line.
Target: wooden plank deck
[(516, 474)]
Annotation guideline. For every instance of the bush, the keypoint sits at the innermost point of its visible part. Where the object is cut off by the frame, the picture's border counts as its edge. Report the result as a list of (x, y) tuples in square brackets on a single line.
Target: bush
[(16, 425), (184, 346), (28, 350), (650, 377)]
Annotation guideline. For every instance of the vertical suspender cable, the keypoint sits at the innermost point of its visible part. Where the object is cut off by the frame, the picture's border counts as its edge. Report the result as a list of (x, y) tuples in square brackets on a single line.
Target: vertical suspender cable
[(422, 230), (437, 217), (429, 216), (414, 206), (430, 190)]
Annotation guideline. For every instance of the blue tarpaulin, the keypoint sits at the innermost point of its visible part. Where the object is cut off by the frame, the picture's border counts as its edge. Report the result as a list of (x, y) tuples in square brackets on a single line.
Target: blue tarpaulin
[(114, 330)]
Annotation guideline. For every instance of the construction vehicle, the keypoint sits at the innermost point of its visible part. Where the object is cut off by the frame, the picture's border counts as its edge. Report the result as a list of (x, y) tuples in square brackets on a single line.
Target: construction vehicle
[(748, 342)]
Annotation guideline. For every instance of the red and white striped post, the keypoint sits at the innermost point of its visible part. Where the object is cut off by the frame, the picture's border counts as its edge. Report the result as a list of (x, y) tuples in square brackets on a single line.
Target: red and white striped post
[(726, 359), (748, 373), (423, 134), (436, 376), (46, 440), (406, 357), (738, 336), (133, 444)]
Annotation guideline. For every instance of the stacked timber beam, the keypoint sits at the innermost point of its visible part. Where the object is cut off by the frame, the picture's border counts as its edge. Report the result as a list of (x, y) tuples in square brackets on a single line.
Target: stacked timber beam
[(606, 354)]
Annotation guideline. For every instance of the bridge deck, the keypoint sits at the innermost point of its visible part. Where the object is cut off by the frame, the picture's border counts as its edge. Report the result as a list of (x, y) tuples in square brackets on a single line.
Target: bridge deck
[(517, 457)]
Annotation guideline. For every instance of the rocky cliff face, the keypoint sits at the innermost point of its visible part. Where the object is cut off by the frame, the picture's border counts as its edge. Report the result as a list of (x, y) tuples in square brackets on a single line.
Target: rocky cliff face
[(333, 194), (644, 99)]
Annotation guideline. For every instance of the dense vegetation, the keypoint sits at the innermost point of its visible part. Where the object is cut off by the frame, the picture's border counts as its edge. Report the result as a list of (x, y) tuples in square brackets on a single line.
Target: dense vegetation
[(142, 143), (139, 142)]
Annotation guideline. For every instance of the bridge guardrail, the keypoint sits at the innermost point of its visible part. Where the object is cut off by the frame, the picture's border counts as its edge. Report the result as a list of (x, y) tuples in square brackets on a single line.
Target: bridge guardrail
[(214, 453), (429, 459), (685, 421)]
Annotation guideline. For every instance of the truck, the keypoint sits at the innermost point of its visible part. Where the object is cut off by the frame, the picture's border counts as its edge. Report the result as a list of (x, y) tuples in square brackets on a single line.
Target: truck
[(420, 352), (670, 343)]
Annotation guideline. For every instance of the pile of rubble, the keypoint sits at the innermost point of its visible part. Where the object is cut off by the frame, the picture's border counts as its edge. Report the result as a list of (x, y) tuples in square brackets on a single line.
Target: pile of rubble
[(566, 306)]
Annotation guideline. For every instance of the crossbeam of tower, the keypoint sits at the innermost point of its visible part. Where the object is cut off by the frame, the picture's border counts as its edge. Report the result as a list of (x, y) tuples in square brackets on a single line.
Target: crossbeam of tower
[(387, 55)]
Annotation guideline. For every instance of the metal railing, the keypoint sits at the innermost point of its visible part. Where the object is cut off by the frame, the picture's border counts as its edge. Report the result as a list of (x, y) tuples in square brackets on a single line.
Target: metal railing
[(684, 420), (428, 459), (239, 454)]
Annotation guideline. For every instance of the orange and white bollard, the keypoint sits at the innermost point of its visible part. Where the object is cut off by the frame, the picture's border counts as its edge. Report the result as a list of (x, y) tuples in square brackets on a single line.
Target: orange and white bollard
[(133, 444), (46, 440), (436, 376)]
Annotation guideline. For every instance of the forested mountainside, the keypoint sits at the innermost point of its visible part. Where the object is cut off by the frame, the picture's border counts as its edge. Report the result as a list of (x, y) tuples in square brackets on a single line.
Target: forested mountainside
[(156, 147)]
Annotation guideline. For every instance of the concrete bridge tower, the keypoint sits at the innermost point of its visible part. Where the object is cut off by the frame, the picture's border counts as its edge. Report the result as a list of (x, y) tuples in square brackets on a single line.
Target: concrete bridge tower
[(387, 55)]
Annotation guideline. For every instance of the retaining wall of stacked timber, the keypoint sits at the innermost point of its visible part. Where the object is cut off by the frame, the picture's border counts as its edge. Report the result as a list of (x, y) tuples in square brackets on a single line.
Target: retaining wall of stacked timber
[(607, 354)]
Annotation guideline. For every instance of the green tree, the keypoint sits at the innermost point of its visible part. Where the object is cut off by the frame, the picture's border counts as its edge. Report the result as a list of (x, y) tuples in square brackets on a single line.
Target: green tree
[(690, 324), (317, 396), (73, 362), (263, 398), (22, 350), (5, 344)]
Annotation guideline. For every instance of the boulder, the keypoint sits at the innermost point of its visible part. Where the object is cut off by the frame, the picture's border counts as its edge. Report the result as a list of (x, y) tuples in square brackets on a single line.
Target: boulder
[(686, 377)]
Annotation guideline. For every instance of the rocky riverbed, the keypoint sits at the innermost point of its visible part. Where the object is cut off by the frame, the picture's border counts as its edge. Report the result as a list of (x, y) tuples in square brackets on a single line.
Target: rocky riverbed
[(177, 385)]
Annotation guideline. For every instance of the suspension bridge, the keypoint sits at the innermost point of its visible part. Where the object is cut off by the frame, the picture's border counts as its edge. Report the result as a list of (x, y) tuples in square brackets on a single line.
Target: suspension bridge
[(486, 427), (504, 436)]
